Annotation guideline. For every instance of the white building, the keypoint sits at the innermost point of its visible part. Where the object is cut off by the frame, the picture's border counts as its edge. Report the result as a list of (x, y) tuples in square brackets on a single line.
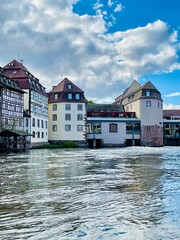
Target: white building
[(35, 101), (67, 114), (109, 125), (147, 103)]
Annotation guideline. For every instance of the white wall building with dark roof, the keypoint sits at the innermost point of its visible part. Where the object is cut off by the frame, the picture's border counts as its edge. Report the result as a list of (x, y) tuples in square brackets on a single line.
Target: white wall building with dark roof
[(67, 113), (147, 103)]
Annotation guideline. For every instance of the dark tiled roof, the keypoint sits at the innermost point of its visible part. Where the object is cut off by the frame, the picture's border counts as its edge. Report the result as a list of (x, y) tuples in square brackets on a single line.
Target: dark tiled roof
[(171, 112), (6, 81), (19, 73), (105, 108), (63, 87), (62, 90)]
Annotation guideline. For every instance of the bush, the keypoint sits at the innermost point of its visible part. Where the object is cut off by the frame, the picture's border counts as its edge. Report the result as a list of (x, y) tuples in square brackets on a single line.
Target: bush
[(70, 144)]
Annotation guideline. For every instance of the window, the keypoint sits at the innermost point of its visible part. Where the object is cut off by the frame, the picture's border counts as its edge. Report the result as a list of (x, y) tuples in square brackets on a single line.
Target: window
[(46, 124), (54, 128), (38, 123), (54, 107), (97, 128), (80, 107), (42, 123), (79, 128), (54, 117), (158, 104), (128, 128), (137, 128), (148, 93), (68, 116), (67, 127), (149, 128), (69, 96), (42, 135), (148, 103), (56, 95), (113, 127), (69, 86), (77, 96), (33, 134), (27, 122), (33, 122), (38, 134), (79, 117), (68, 106)]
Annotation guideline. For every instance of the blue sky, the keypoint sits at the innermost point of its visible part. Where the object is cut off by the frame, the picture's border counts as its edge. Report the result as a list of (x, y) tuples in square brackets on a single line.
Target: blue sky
[(101, 45)]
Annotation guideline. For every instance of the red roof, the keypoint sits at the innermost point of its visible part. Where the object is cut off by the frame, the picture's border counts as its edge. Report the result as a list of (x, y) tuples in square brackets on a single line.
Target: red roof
[(62, 89), (171, 112), (19, 73)]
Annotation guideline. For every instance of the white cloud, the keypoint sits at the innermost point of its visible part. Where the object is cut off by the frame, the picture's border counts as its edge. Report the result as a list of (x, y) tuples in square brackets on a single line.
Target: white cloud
[(175, 94), (97, 5), (55, 42), (118, 8), (110, 3), (171, 106)]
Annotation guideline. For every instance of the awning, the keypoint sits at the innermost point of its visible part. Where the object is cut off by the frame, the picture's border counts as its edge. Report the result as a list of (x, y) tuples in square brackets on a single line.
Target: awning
[(9, 133)]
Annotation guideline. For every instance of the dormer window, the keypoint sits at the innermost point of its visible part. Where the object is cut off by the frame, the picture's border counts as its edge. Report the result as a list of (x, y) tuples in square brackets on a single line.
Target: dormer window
[(148, 93), (56, 96), (69, 95), (77, 96), (69, 86)]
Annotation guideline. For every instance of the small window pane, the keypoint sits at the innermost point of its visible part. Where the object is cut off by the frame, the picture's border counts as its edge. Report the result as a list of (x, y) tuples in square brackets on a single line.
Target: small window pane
[(67, 127), (69, 95), (79, 128), (77, 96), (54, 117), (68, 116), (54, 128), (79, 117), (54, 107), (80, 107), (148, 103), (68, 106)]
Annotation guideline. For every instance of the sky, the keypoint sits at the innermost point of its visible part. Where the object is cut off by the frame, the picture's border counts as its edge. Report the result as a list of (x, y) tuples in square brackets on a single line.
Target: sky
[(100, 45)]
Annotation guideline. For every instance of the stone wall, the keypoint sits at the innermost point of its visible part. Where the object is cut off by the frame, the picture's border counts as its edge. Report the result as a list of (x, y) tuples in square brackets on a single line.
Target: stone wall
[(152, 136)]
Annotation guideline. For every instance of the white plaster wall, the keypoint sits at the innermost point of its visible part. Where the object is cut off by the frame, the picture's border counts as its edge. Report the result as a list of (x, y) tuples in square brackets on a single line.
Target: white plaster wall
[(61, 134), (151, 115), (26, 99), (113, 138)]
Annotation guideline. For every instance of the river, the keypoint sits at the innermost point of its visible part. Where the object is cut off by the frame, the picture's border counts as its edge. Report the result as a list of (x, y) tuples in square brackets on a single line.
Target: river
[(91, 194)]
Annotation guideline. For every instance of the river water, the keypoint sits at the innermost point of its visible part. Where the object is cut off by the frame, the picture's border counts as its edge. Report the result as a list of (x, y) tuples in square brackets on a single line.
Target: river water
[(102, 194)]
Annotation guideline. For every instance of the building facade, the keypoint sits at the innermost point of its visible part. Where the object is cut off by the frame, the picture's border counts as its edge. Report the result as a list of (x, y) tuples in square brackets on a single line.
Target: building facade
[(171, 127), (147, 103), (109, 125), (12, 136), (67, 114), (35, 101)]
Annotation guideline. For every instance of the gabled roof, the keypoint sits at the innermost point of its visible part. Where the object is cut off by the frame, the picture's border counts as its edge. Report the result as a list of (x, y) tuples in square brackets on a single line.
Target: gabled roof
[(63, 87), (17, 69), (25, 79), (134, 86), (149, 86), (62, 90)]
